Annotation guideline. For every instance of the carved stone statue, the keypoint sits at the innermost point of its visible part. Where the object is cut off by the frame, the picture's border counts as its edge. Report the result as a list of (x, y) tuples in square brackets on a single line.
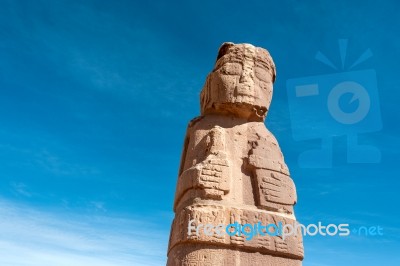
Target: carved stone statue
[(232, 170)]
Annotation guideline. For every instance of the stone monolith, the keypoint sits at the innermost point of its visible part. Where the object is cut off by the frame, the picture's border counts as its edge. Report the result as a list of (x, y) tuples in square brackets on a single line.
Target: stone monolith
[(232, 171)]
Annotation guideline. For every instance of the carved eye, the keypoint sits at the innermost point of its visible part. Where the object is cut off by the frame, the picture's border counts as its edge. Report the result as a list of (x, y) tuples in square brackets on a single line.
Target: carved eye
[(232, 69), (263, 74)]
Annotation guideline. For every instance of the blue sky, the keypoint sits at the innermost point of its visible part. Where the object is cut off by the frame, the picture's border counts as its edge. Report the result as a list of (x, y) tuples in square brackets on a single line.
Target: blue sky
[(95, 97)]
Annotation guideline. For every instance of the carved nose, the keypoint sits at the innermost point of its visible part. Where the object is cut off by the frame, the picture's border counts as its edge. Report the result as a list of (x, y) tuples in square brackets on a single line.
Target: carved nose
[(246, 77)]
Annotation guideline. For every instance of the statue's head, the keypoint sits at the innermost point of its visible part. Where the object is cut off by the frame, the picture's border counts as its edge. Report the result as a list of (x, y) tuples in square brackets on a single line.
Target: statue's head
[(241, 82)]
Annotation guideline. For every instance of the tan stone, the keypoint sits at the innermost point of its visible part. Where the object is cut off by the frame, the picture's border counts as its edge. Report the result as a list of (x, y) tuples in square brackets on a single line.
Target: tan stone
[(232, 169)]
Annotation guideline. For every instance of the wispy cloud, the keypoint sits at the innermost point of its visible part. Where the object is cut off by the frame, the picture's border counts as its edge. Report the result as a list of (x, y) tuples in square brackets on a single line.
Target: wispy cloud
[(33, 237), (59, 166), (20, 188)]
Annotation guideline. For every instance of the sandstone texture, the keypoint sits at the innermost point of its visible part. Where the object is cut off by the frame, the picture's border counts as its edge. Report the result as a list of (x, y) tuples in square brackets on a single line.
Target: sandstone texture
[(232, 169)]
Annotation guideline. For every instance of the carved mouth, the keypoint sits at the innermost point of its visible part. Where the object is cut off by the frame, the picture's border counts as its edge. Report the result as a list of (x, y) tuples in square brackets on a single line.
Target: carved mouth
[(245, 94), (244, 97)]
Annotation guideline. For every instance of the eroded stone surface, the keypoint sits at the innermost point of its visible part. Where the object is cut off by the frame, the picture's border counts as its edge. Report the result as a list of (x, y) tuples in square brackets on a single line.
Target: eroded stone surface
[(232, 169)]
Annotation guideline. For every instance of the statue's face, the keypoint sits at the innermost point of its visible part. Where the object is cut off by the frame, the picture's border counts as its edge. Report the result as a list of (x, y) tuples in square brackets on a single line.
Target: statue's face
[(243, 75)]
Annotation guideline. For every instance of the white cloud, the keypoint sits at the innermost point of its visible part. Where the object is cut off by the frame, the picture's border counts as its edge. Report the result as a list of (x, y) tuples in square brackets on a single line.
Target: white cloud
[(32, 237)]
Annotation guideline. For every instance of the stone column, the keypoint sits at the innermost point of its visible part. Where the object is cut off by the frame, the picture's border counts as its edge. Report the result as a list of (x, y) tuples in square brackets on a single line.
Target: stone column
[(233, 171)]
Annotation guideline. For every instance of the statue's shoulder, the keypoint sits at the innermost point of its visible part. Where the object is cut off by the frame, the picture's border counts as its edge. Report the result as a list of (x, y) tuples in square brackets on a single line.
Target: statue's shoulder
[(195, 121)]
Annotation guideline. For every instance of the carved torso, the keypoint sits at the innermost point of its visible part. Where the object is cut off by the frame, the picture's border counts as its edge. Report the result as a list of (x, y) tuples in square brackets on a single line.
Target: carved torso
[(232, 160)]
